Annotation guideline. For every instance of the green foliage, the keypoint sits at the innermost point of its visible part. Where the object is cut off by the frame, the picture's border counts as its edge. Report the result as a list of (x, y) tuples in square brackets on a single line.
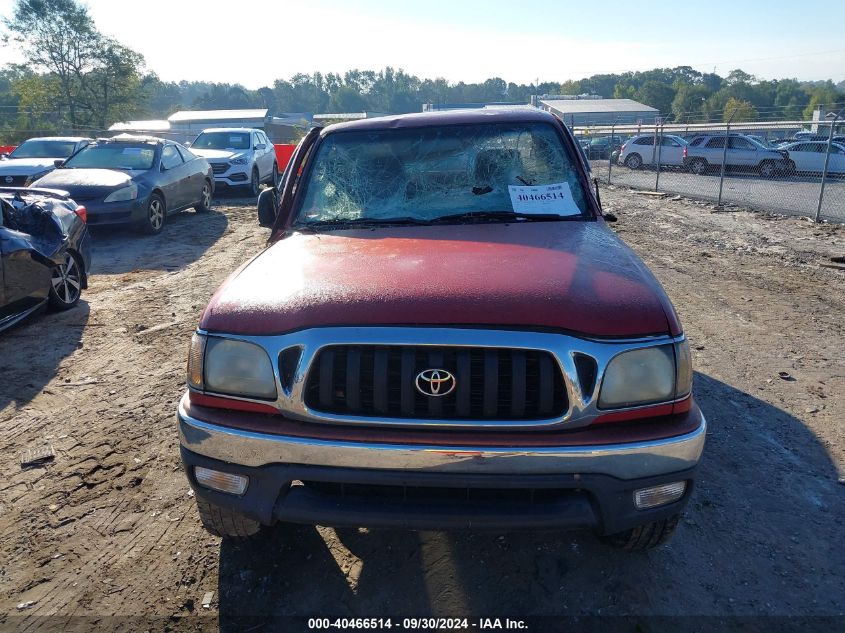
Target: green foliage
[(739, 111), (95, 78)]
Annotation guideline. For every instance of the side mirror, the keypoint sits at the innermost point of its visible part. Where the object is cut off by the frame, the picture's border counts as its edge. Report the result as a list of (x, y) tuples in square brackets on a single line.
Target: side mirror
[(267, 207), (188, 144), (58, 162), (259, 146)]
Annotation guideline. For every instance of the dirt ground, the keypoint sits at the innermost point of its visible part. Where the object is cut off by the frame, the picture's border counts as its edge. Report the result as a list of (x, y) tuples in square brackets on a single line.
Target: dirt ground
[(108, 531)]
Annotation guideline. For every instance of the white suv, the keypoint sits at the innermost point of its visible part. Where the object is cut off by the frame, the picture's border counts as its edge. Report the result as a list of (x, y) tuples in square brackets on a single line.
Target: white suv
[(239, 157)]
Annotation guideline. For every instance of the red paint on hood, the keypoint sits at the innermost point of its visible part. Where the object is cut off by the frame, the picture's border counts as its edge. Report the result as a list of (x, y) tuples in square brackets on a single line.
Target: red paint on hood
[(575, 276)]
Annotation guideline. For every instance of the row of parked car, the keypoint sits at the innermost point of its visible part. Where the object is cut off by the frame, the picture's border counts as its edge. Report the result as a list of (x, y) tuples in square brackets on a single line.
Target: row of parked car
[(704, 153), (52, 188)]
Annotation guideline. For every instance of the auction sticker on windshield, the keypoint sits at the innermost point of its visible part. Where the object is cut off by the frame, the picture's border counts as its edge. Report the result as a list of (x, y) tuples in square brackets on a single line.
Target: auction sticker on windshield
[(544, 199)]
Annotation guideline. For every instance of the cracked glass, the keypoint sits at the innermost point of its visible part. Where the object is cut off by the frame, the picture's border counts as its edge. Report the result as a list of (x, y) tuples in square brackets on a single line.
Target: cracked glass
[(429, 172)]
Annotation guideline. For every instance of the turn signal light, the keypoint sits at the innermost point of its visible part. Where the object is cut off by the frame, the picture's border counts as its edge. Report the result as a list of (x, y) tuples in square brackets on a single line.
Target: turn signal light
[(220, 481), (655, 496)]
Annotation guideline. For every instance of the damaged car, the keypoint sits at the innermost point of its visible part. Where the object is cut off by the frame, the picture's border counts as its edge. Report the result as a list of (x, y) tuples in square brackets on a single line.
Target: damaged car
[(134, 180), (37, 157), (442, 333), (45, 252)]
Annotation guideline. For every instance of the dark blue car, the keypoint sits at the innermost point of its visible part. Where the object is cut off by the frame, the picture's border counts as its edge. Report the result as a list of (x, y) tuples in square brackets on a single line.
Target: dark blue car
[(134, 180), (45, 252)]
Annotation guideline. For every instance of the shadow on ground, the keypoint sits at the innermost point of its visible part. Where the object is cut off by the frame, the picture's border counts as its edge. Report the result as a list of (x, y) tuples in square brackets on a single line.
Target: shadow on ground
[(30, 353), (182, 241), (760, 537)]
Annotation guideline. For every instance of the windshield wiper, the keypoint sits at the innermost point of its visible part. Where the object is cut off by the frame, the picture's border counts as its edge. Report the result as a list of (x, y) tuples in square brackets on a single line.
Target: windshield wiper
[(357, 222), (486, 216)]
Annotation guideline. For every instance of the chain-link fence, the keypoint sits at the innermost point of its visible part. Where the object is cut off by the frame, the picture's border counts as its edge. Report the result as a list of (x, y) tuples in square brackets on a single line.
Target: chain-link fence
[(795, 168)]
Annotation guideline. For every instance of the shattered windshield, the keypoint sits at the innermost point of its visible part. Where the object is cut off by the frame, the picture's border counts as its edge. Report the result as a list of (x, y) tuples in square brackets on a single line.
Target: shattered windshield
[(114, 156), (43, 149), (429, 173)]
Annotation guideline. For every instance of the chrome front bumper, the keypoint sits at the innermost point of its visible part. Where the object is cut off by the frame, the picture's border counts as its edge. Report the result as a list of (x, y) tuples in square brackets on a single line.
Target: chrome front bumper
[(623, 461)]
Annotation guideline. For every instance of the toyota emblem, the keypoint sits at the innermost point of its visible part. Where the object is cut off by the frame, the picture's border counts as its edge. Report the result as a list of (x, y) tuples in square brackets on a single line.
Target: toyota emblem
[(435, 382)]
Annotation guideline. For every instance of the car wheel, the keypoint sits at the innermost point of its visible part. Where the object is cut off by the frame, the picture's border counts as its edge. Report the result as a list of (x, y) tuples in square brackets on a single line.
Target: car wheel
[(767, 169), (66, 283), (644, 537), (254, 184), (633, 161), (226, 523), (205, 198), (790, 169), (698, 166), (156, 215), (275, 180)]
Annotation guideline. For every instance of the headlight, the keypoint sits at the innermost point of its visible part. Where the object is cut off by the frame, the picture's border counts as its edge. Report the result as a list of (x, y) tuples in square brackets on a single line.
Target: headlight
[(240, 160), (123, 194), (31, 179), (640, 376), (237, 368)]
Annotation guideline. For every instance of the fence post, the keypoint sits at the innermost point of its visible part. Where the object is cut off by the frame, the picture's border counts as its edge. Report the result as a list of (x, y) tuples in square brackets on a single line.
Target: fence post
[(659, 151), (610, 155), (725, 156), (826, 164)]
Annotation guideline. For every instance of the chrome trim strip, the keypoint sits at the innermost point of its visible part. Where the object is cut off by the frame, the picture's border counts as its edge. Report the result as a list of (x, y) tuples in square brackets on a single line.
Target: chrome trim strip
[(624, 461), (583, 409)]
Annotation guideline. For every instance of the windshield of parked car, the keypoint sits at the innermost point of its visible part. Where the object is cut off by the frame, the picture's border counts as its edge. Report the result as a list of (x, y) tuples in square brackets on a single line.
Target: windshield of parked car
[(43, 149), (222, 140), (129, 156), (435, 173)]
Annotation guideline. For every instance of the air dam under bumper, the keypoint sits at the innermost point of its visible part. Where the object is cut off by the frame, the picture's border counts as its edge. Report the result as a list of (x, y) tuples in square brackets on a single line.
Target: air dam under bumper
[(428, 487)]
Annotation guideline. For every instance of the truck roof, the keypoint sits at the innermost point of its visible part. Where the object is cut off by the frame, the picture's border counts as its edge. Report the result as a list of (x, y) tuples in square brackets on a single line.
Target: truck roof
[(446, 117)]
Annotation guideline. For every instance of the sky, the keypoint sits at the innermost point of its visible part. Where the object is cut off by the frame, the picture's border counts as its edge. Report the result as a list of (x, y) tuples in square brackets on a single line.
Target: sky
[(254, 42)]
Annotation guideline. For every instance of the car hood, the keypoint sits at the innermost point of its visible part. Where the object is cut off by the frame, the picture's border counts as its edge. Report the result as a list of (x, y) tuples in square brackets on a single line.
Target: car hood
[(88, 180), (220, 154), (573, 276), (26, 166)]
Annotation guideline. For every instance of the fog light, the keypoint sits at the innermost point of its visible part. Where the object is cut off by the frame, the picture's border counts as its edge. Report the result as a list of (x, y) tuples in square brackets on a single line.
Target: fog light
[(222, 482), (659, 495)]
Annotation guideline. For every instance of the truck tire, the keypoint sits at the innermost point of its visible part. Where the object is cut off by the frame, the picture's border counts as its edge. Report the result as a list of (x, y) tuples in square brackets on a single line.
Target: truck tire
[(226, 523), (644, 537)]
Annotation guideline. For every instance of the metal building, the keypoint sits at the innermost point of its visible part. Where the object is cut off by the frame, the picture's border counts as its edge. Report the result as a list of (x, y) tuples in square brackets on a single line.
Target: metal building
[(582, 112)]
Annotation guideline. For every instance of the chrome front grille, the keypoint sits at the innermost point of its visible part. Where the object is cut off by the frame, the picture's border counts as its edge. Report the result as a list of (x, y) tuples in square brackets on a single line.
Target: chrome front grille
[(490, 383), (315, 384), (219, 168)]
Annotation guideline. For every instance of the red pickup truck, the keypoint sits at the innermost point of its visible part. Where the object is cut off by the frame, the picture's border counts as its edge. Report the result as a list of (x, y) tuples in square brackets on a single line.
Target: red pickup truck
[(442, 333)]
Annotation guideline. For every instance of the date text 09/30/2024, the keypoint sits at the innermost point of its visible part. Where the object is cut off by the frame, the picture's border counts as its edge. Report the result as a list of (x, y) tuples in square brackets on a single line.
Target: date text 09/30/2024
[(417, 624)]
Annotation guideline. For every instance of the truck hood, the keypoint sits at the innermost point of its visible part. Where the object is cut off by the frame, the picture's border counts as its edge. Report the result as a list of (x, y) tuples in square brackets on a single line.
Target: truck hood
[(573, 276), (26, 166)]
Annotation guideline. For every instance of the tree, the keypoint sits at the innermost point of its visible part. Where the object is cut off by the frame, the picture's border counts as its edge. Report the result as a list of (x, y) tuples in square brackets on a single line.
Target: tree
[(740, 110), (59, 37), (657, 95)]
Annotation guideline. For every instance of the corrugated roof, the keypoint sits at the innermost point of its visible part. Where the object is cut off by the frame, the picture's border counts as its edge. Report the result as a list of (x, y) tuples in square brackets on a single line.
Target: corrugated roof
[(215, 115), (582, 106)]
